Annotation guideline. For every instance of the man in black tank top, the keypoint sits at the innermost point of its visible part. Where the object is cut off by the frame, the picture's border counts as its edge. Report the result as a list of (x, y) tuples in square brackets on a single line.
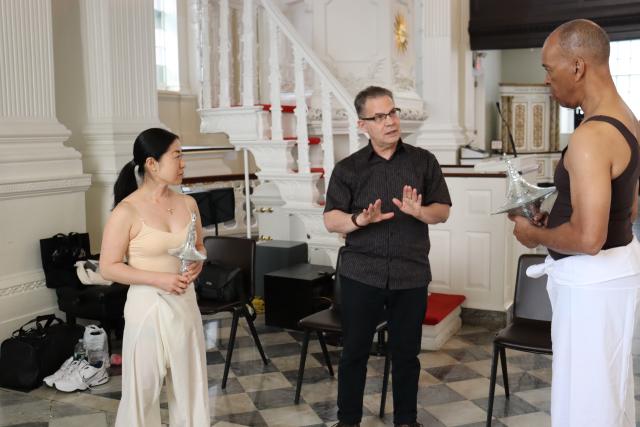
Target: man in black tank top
[(594, 264)]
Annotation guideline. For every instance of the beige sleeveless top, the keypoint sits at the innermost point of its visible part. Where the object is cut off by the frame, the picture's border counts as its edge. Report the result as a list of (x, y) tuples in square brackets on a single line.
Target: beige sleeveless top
[(149, 249)]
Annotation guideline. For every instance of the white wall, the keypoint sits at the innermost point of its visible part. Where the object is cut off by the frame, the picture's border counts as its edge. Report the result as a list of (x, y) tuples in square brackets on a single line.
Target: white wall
[(522, 66)]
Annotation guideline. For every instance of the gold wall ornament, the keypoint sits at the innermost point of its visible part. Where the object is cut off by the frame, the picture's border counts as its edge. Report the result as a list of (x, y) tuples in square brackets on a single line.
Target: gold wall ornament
[(400, 32)]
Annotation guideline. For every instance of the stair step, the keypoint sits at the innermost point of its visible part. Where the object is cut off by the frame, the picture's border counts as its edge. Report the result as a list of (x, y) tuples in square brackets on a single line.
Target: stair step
[(313, 140), (285, 108), (267, 107), (313, 170)]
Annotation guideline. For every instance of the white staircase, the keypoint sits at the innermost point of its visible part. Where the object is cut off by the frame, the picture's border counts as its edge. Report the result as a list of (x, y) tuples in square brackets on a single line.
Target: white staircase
[(295, 120)]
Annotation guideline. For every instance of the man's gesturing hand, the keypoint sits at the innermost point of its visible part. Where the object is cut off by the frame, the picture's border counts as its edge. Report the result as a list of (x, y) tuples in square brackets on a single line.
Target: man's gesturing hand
[(372, 214), (411, 201)]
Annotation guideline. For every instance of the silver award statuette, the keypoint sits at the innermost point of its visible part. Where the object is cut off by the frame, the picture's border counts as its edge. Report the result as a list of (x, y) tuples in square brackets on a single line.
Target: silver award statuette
[(523, 198), (187, 253)]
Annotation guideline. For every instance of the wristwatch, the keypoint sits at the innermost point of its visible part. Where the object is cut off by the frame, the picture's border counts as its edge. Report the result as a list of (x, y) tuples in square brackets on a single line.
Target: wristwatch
[(353, 219)]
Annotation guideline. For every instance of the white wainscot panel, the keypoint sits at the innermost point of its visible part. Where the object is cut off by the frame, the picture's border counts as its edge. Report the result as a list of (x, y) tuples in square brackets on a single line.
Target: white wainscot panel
[(478, 261), (440, 259), (479, 202)]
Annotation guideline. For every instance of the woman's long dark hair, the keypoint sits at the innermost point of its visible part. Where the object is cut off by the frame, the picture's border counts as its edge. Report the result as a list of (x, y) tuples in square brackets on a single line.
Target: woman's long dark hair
[(153, 143)]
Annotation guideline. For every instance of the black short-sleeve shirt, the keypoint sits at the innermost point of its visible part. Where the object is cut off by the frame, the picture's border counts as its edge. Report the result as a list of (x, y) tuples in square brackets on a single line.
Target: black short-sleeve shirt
[(393, 253)]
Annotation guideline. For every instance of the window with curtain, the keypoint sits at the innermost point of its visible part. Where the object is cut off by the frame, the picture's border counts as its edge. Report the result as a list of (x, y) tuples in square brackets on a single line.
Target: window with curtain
[(166, 24)]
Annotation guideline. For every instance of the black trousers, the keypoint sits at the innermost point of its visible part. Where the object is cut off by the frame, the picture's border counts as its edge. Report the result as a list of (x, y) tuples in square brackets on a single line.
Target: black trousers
[(362, 309)]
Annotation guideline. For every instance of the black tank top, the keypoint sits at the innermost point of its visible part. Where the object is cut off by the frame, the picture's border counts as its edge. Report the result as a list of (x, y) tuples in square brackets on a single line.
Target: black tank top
[(622, 194)]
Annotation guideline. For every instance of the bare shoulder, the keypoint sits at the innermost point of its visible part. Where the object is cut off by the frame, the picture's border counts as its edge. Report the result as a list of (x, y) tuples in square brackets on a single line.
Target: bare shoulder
[(189, 200), (124, 213), (590, 139)]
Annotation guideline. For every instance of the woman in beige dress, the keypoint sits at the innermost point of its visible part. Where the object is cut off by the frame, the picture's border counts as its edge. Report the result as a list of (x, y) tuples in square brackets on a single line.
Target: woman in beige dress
[(163, 337)]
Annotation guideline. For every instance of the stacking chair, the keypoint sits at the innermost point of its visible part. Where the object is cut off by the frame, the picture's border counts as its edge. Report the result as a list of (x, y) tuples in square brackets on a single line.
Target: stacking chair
[(329, 320), (530, 329), (241, 253)]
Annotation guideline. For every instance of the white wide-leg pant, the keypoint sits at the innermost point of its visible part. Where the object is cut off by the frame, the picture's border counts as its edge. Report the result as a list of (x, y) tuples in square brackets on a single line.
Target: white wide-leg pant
[(163, 340), (594, 300)]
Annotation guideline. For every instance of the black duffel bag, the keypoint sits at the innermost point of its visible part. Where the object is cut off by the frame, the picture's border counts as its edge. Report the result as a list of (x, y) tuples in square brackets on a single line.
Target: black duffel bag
[(36, 350), (220, 283)]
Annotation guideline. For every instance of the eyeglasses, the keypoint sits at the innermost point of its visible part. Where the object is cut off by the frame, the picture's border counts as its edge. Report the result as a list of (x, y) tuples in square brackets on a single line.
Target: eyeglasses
[(381, 117)]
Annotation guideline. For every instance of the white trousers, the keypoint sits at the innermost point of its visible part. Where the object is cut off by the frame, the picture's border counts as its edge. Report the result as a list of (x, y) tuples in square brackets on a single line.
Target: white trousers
[(163, 340), (594, 300)]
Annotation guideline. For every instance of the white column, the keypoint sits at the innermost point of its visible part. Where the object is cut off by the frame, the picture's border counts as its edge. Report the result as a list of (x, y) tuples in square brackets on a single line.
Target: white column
[(41, 181), (443, 53), (118, 57)]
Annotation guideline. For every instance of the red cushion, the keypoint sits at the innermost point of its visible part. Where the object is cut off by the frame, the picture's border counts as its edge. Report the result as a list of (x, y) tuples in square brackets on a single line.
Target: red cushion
[(439, 306)]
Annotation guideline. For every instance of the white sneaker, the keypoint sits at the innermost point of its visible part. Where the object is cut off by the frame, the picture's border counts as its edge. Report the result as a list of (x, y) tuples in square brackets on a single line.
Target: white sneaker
[(51, 379), (81, 376)]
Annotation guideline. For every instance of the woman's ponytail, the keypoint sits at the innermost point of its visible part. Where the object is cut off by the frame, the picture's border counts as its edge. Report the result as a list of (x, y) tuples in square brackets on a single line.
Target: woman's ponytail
[(126, 183)]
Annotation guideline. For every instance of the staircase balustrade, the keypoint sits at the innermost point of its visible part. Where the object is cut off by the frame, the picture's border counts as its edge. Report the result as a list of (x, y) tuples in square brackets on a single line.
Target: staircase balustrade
[(331, 92)]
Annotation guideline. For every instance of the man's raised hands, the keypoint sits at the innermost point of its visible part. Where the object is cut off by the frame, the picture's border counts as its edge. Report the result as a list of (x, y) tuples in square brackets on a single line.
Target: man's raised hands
[(372, 214)]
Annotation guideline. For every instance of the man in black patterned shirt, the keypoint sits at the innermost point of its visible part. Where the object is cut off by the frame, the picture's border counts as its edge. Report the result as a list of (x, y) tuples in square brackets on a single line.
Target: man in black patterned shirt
[(383, 197)]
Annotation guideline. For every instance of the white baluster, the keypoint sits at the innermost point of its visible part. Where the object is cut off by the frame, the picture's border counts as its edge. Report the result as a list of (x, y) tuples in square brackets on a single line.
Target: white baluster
[(205, 55), (354, 139), (327, 131), (225, 53), (248, 39), (301, 113), (274, 81)]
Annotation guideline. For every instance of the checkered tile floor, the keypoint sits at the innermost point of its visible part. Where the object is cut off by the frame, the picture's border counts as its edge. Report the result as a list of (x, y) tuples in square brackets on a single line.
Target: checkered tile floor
[(454, 386)]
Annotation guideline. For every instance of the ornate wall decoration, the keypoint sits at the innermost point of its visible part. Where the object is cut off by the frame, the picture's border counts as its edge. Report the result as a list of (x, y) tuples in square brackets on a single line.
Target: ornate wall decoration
[(353, 83), (22, 288), (519, 129), (400, 33), (403, 78), (538, 122), (554, 126)]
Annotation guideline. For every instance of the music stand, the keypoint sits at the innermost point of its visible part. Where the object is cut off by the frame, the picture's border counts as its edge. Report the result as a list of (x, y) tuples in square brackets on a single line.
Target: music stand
[(216, 205)]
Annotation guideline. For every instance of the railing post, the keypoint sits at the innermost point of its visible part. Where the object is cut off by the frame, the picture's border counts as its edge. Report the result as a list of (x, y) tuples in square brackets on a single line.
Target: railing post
[(248, 42), (327, 132), (354, 139), (205, 55), (301, 113), (225, 53), (274, 81)]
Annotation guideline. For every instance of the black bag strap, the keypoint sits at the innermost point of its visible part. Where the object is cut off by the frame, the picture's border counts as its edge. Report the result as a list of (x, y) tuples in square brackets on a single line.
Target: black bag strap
[(49, 319)]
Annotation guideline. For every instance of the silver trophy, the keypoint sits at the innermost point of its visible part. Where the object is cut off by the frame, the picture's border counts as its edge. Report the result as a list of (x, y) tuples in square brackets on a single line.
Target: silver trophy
[(187, 253), (523, 199)]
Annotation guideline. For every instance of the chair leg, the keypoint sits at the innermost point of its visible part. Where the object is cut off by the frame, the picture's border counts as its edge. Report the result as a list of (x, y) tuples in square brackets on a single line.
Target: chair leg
[(232, 342), (303, 359), (327, 359), (503, 362), (385, 384), (254, 333), (106, 325), (492, 385), (380, 345), (71, 320)]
